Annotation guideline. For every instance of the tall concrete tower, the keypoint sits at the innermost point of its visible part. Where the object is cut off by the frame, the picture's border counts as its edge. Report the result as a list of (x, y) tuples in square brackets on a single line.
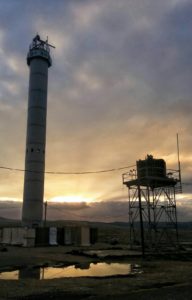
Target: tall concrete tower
[(39, 60)]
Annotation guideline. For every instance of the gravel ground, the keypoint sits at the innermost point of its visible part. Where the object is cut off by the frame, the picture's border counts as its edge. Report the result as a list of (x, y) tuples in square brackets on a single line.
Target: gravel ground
[(162, 278)]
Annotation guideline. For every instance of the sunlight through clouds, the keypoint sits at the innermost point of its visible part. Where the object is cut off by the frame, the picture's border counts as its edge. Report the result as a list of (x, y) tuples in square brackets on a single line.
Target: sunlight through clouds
[(71, 199)]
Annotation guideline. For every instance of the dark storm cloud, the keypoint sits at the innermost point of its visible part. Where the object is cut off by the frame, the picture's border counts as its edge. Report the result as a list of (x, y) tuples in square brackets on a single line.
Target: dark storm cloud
[(125, 68), (171, 56)]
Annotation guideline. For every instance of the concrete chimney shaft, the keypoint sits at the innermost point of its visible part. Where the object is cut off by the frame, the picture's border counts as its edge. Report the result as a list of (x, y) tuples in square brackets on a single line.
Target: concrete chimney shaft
[(39, 61)]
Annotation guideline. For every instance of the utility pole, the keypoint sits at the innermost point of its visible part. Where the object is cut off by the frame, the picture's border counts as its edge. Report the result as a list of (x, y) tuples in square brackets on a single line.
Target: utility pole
[(45, 213), (141, 221), (178, 157)]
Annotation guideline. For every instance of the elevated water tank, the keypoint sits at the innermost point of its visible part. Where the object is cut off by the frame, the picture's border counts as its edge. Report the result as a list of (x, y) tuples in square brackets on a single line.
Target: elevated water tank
[(151, 167)]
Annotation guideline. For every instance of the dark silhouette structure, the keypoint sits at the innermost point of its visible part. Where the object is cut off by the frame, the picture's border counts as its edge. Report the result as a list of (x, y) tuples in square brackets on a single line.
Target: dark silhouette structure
[(152, 204)]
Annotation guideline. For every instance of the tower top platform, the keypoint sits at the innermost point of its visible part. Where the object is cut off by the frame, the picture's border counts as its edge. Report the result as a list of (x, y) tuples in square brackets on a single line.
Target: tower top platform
[(39, 49), (152, 182), (152, 173)]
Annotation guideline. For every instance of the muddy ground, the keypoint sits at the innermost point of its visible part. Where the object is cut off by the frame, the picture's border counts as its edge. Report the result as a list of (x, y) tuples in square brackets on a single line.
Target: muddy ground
[(165, 277)]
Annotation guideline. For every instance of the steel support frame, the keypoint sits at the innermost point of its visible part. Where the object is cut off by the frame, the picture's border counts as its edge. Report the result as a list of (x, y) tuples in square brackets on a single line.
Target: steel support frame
[(155, 210)]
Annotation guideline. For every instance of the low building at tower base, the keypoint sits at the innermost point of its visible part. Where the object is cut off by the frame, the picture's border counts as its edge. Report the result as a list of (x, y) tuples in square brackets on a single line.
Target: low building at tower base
[(48, 236)]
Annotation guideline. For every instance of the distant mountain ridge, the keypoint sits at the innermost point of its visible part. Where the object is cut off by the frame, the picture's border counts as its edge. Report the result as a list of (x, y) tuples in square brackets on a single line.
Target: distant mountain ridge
[(60, 223)]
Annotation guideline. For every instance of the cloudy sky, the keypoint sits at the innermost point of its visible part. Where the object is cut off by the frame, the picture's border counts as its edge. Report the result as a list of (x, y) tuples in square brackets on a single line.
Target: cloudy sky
[(119, 89)]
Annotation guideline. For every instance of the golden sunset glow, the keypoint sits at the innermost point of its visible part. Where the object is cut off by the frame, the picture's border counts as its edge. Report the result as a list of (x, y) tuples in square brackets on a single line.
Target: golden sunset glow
[(12, 199), (71, 199)]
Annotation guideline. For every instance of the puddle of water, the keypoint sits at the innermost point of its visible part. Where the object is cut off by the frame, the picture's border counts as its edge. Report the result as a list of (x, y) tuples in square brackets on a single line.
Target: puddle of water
[(91, 270), (105, 253), (13, 275), (94, 270)]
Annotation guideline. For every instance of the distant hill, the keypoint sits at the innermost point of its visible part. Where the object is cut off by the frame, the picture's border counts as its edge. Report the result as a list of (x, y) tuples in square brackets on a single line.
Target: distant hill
[(61, 223), (9, 222)]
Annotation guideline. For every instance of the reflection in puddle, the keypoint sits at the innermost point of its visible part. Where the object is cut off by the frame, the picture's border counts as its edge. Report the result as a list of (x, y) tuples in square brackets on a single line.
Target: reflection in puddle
[(29, 273), (90, 270), (13, 275), (99, 269)]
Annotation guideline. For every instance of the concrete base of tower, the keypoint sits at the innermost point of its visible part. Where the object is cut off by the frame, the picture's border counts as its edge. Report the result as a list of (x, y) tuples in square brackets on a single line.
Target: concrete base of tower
[(32, 215)]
